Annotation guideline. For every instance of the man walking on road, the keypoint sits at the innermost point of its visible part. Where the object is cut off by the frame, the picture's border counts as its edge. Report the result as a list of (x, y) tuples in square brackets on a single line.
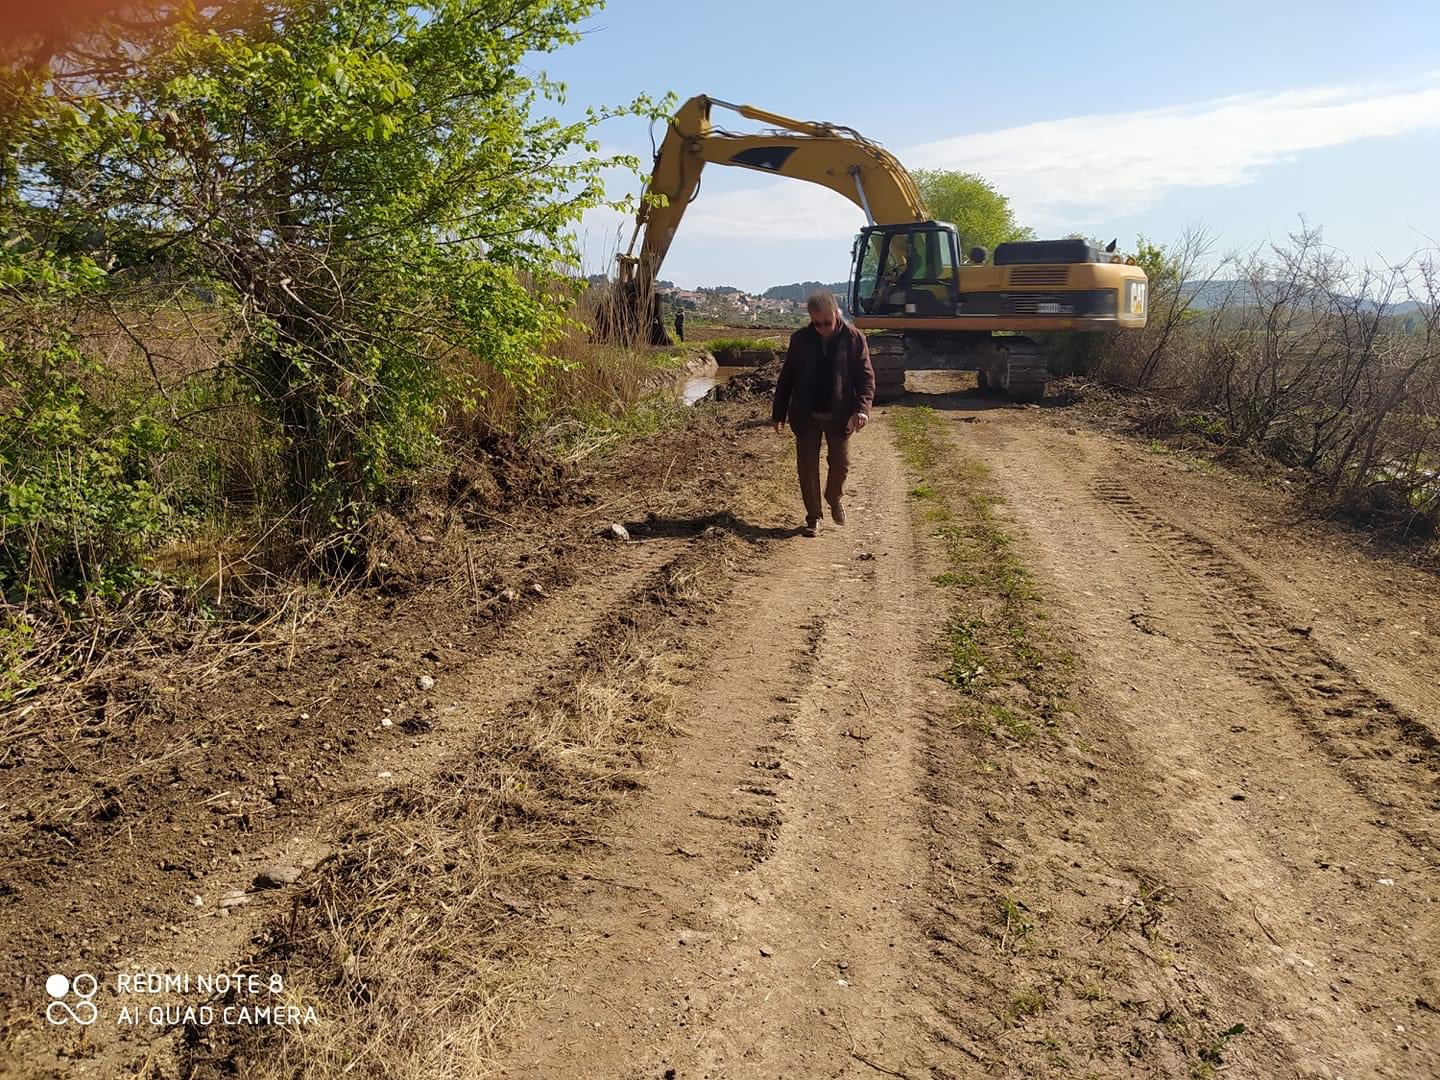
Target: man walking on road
[(826, 389)]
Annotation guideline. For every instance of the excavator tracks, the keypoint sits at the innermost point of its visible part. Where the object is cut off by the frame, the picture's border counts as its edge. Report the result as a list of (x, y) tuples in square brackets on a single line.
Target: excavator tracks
[(1013, 366), (1024, 371), (887, 357)]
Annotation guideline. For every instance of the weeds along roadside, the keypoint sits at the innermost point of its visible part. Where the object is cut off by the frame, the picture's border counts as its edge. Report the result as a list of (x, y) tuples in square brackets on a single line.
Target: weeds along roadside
[(468, 560), (216, 570), (1059, 972), (418, 934), (1295, 356), (366, 656)]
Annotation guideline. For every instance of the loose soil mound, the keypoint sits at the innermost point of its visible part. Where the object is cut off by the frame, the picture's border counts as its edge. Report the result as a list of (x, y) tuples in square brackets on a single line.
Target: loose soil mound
[(747, 385)]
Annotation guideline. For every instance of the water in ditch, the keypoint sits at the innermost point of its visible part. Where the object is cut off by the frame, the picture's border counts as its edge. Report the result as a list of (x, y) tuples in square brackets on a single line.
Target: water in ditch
[(692, 388)]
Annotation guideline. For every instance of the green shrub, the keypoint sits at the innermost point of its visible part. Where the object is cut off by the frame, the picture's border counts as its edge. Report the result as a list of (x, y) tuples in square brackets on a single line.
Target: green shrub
[(741, 344), (76, 500), (389, 227)]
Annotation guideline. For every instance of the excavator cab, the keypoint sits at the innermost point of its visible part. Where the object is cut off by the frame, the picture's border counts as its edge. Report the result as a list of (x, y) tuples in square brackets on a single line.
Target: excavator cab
[(906, 270)]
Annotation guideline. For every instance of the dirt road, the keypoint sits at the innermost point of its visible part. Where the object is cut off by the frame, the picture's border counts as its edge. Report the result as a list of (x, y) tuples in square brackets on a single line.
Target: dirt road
[(1065, 758), (751, 914), (1222, 854), (1268, 700)]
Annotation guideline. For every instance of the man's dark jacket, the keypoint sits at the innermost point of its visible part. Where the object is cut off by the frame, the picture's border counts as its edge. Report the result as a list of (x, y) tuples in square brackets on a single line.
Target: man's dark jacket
[(852, 379)]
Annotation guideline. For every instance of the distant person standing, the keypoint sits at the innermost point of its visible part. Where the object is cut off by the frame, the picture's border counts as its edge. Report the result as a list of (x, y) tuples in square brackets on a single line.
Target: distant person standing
[(825, 390), (680, 324)]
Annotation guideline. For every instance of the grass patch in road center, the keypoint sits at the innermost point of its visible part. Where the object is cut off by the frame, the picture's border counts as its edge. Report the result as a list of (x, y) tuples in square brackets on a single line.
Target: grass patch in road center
[(993, 642), (1016, 800), (1024, 1004)]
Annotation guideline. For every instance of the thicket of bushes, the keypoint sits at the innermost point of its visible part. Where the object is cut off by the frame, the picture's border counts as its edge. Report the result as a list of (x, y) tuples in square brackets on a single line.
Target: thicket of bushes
[(1300, 353), (258, 259)]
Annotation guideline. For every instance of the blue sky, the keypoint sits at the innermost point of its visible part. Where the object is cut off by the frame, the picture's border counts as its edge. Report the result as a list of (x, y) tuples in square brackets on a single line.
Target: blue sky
[(1110, 120)]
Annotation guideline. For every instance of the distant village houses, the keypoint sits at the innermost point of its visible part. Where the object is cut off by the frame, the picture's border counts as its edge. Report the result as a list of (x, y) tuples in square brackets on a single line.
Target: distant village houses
[(728, 304), (731, 304)]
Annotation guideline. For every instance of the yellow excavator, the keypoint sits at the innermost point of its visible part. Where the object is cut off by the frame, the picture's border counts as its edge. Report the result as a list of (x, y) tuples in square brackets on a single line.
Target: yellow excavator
[(907, 275)]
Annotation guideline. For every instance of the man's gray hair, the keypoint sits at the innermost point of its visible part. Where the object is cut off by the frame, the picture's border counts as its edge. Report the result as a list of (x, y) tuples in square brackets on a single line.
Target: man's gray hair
[(822, 302)]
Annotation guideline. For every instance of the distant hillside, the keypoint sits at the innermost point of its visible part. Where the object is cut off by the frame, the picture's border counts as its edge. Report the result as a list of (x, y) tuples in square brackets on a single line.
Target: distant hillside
[(801, 289), (1207, 295)]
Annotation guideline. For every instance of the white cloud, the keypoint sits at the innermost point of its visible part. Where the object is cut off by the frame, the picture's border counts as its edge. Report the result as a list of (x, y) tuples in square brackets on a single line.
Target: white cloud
[(786, 210), (1105, 166), (1128, 162)]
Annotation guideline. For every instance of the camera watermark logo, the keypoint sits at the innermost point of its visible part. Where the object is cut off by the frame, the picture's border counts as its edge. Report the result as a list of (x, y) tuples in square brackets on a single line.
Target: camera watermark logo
[(167, 999), (60, 1010)]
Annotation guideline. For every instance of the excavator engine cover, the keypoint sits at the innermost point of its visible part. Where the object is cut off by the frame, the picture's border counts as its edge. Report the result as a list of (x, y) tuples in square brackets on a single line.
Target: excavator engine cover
[(1045, 251)]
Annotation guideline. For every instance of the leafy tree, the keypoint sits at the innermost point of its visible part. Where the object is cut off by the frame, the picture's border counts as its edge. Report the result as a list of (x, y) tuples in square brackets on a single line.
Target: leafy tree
[(372, 186), (980, 213), (799, 290)]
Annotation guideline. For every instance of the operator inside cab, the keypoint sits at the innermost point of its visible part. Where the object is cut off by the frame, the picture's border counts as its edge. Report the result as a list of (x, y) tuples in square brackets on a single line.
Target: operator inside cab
[(895, 273)]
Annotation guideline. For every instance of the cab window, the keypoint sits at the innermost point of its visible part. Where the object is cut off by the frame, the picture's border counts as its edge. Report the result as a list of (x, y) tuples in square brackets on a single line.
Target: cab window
[(869, 270), (944, 262), (922, 246)]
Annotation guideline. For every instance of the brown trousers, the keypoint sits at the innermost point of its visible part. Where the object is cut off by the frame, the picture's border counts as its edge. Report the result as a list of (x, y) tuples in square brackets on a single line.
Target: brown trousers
[(807, 462)]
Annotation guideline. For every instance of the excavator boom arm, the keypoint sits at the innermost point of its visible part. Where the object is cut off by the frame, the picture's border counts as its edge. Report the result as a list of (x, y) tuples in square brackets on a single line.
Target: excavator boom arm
[(835, 157)]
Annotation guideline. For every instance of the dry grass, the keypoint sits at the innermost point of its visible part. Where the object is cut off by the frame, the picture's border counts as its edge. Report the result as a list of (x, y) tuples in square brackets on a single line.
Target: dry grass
[(415, 940), (231, 574), (82, 678), (1309, 358)]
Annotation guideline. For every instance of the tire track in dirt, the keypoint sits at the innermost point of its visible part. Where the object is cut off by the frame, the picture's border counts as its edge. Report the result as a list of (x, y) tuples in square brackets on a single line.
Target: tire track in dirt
[(1224, 809), (539, 647), (751, 916), (1392, 757)]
